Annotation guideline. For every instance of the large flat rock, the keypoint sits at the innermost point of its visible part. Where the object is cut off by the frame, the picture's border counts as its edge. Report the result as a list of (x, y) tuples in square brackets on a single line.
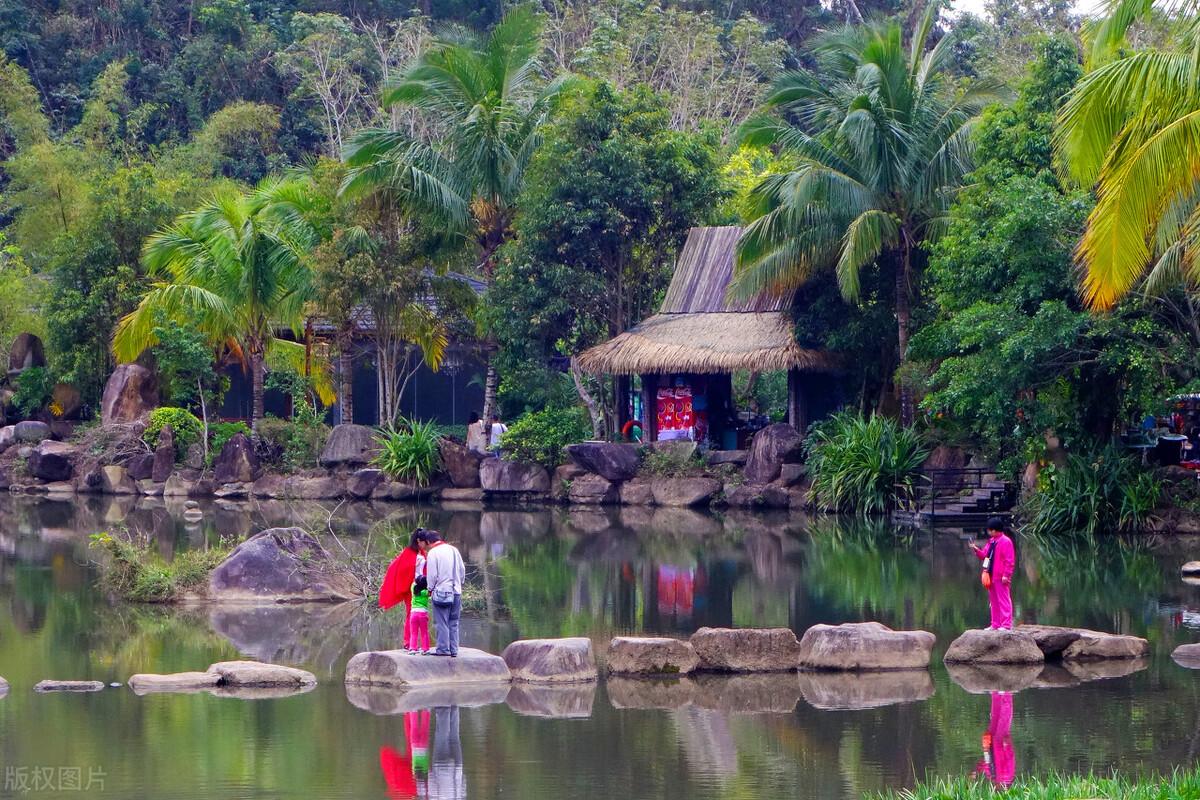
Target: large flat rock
[(994, 647), (281, 565), (555, 701), (853, 691), (864, 646), (1095, 646), (398, 668), (746, 649), (257, 673), (68, 686), (551, 660), (1187, 656), (630, 655), (388, 700), (177, 683), (1051, 639)]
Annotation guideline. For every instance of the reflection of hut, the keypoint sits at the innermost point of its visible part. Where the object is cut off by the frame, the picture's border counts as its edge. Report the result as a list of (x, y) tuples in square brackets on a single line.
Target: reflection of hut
[(685, 355)]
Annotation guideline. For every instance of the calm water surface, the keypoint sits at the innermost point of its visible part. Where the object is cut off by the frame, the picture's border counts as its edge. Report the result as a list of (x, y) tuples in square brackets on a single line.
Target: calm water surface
[(556, 573)]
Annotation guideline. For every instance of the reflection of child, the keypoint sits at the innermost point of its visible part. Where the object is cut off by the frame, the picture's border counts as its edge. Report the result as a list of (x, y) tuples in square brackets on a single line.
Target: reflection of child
[(416, 731), (418, 618)]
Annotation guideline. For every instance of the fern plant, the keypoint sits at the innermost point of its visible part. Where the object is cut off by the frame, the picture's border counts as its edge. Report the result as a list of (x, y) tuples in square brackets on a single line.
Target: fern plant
[(409, 450), (863, 465)]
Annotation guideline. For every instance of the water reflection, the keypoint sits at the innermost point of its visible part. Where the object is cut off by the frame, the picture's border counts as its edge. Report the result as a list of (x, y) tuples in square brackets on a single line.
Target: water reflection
[(595, 573), (999, 762)]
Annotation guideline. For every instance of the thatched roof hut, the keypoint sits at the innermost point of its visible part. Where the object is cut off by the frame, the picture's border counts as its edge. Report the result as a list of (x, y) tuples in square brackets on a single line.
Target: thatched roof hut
[(700, 330)]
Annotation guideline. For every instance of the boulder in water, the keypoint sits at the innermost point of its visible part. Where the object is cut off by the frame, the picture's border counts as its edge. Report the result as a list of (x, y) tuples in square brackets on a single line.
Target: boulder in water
[(175, 683), (994, 647), (461, 465), (256, 673), (363, 482), (501, 475), (630, 655), (114, 479), (551, 660), (864, 646), (237, 461), (1187, 656), (282, 565), (593, 490), (684, 492), (1096, 646), (771, 448), (398, 668), (52, 461), (746, 649)]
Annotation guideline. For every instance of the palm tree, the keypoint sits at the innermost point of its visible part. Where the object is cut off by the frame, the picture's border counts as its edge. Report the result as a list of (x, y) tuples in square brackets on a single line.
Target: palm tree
[(488, 94), (236, 268), (1131, 130), (880, 136)]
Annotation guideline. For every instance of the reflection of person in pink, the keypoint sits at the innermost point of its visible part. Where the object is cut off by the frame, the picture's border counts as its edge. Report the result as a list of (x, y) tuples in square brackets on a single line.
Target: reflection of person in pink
[(999, 759), (403, 770), (999, 559)]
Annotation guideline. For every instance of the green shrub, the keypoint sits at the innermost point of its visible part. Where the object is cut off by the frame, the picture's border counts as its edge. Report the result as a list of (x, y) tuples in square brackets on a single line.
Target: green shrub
[(409, 450), (1106, 492), (671, 463), (540, 436), (135, 571), (34, 387), (865, 466), (221, 432), (184, 424), (291, 444)]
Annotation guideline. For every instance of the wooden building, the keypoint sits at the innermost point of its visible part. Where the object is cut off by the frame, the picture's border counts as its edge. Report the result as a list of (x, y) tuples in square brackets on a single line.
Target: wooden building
[(686, 354)]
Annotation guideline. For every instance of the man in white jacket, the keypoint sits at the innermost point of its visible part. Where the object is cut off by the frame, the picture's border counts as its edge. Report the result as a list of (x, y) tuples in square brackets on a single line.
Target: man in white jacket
[(445, 573)]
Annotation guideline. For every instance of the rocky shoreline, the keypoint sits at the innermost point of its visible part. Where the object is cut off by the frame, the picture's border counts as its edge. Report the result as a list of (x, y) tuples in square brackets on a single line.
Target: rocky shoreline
[(36, 459)]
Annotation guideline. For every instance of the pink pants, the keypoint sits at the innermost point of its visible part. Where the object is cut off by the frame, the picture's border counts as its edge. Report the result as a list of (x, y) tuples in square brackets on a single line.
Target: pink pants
[(1000, 597), (416, 629)]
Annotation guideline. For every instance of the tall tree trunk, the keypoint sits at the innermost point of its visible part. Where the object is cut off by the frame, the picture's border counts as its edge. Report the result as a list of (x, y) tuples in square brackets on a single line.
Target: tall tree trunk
[(257, 372), (490, 382), (598, 426), (346, 374), (903, 321)]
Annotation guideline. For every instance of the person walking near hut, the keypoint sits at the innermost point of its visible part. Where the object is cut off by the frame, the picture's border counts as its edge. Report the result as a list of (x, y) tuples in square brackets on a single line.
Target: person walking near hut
[(999, 557), (444, 574)]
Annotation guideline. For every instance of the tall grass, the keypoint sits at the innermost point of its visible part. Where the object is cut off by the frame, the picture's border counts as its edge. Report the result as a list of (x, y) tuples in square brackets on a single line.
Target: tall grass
[(1106, 492), (409, 450), (1182, 785), (863, 465)]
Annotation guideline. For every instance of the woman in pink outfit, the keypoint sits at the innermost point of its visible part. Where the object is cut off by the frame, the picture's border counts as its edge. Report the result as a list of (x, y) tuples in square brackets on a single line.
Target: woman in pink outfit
[(999, 559)]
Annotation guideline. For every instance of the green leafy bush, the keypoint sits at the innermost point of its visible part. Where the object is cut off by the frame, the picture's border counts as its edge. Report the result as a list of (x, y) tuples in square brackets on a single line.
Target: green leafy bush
[(1106, 492), (292, 444), (672, 463), (184, 424), (34, 386), (409, 450), (540, 436), (221, 432), (865, 466)]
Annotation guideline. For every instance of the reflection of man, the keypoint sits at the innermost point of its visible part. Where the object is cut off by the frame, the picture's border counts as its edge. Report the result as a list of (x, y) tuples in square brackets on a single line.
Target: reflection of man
[(446, 780), (999, 762)]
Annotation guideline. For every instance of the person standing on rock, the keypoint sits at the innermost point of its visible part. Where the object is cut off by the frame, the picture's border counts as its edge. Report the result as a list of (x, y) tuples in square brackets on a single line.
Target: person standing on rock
[(444, 574), (999, 557), (396, 588)]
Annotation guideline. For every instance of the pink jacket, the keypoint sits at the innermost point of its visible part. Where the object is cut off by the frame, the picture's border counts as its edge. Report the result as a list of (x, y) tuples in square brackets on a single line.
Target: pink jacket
[(1005, 557)]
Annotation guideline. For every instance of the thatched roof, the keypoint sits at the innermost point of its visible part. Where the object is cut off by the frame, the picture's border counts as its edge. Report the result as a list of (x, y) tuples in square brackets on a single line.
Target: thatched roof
[(699, 329), (714, 342)]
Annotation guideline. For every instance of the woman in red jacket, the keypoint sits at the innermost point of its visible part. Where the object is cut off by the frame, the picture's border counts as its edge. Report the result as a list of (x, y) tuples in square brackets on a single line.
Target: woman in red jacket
[(397, 583)]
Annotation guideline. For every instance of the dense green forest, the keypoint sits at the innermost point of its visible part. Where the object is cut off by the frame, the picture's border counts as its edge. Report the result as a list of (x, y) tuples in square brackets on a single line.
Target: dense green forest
[(919, 178)]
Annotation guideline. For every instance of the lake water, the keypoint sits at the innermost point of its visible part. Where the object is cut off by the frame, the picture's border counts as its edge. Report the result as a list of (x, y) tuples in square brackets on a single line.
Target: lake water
[(560, 573)]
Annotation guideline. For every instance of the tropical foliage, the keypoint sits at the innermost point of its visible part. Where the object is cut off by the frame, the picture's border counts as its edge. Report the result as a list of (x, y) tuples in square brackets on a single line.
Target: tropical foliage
[(409, 451), (542, 436), (863, 465), (185, 428), (1102, 493)]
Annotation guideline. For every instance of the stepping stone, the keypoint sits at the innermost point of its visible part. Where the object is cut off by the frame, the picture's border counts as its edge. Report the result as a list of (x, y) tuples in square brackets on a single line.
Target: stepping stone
[(1187, 656), (854, 691), (551, 660), (256, 673), (398, 668), (388, 700), (1051, 639), (746, 649), (994, 647), (1094, 646), (864, 646), (555, 701), (68, 686), (628, 655), (178, 682)]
